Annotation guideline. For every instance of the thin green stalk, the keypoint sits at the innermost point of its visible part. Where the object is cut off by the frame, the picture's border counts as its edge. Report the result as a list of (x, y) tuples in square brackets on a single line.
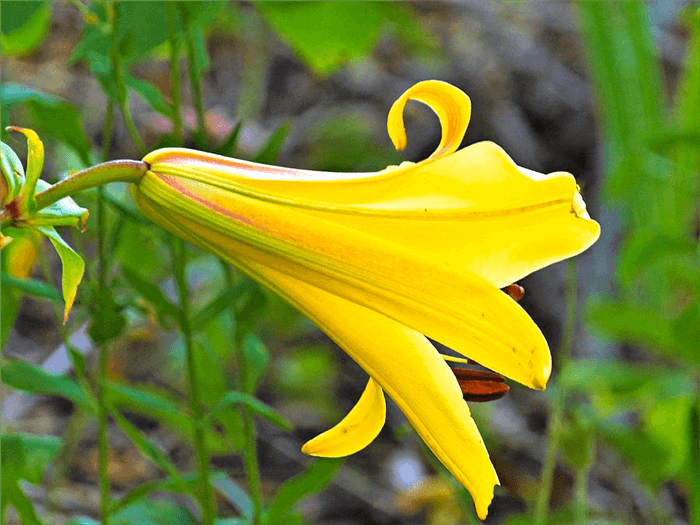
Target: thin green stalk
[(556, 421), (174, 72), (120, 85), (206, 493), (195, 85), (250, 452), (103, 348), (582, 492), (92, 177)]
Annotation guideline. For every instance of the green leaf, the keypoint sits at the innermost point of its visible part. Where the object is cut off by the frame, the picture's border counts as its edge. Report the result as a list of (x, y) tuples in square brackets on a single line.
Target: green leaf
[(150, 94), (82, 521), (153, 512), (22, 504), (252, 309), (31, 287), (235, 494), (24, 26), (256, 360), (65, 212), (38, 452), (73, 267), (18, 14), (229, 146), (30, 378), (220, 303), (270, 151), (631, 323), (317, 475), (149, 403), (12, 172), (168, 485), (148, 448), (108, 321), (165, 309), (234, 398), (52, 115), (693, 470), (326, 34), (16, 258)]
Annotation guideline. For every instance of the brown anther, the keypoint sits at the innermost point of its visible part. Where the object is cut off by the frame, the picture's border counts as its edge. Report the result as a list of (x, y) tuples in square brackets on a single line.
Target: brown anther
[(13, 208), (480, 385), (516, 292)]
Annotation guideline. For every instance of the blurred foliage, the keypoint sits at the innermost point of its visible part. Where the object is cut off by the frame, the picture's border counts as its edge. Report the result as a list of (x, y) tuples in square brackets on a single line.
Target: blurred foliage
[(648, 411)]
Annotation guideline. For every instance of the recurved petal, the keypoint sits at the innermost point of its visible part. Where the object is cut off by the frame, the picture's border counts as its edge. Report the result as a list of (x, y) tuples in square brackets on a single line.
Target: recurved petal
[(450, 104), (453, 306), (356, 430)]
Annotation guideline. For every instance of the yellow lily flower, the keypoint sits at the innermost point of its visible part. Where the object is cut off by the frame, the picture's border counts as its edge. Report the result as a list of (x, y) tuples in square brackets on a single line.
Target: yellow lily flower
[(376, 260)]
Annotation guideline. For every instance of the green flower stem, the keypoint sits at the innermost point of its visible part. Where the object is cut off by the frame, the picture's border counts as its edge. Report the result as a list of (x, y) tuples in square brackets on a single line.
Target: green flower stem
[(556, 421), (103, 348), (582, 492), (195, 86), (174, 71), (206, 492), (120, 85), (250, 453), (92, 177)]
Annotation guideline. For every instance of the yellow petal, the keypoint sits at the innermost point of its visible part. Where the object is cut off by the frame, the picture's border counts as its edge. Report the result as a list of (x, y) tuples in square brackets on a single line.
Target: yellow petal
[(357, 430), (408, 368), (450, 104), (475, 209), (451, 305)]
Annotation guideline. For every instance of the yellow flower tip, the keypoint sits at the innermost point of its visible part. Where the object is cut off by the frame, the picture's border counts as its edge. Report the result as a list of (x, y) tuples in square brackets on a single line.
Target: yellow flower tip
[(539, 380), (450, 104), (357, 430)]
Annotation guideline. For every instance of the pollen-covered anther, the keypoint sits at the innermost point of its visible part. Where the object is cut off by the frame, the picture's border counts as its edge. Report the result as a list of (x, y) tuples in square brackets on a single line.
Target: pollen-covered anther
[(480, 385), (516, 292)]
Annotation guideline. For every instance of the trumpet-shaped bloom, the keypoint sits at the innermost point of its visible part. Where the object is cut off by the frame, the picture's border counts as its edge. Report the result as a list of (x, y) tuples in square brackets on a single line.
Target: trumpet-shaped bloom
[(381, 260)]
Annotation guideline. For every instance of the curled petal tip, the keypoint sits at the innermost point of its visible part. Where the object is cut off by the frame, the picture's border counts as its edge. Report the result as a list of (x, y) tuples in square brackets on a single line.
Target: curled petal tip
[(450, 104)]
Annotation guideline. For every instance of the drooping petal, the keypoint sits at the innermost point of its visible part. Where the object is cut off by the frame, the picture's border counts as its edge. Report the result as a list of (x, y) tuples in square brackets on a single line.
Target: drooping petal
[(401, 360), (455, 307), (409, 369), (356, 430)]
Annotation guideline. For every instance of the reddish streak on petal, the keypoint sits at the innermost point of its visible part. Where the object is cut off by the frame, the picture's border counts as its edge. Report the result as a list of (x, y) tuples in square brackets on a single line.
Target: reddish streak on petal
[(480, 385), (176, 185)]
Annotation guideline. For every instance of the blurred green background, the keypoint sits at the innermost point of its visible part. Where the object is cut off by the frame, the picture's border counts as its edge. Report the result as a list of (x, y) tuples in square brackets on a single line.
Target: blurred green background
[(609, 91)]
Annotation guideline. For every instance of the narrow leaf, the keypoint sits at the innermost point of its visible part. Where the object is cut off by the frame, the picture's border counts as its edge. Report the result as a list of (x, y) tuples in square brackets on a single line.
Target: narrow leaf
[(31, 287), (319, 474), (73, 267), (234, 398)]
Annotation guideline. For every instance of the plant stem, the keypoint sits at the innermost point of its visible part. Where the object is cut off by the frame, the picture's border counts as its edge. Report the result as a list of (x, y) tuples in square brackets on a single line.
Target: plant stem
[(120, 85), (178, 249), (195, 86), (103, 347), (174, 72), (582, 492), (250, 453), (556, 421), (92, 177)]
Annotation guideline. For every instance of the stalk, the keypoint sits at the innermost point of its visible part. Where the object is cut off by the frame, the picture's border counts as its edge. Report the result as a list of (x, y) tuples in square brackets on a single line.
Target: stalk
[(556, 422), (206, 492), (250, 453), (103, 347), (174, 72)]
